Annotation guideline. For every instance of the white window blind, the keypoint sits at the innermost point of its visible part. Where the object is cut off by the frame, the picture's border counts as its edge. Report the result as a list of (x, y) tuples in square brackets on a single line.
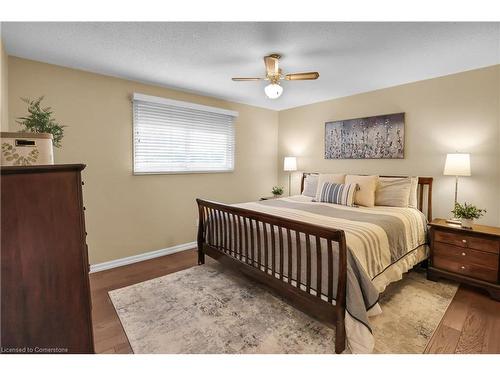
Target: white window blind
[(171, 136)]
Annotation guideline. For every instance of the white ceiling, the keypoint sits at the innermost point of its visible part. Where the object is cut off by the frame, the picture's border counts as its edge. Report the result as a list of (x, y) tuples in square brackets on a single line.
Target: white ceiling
[(202, 57)]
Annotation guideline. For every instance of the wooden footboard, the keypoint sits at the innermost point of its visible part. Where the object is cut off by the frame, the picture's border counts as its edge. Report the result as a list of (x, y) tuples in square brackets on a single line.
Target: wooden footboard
[(239, 237)]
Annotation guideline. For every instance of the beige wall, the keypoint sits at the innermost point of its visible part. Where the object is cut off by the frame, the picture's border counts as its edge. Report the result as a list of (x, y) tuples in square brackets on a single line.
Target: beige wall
[(456, 112), (498, 127), (4, 108), (126, 214)]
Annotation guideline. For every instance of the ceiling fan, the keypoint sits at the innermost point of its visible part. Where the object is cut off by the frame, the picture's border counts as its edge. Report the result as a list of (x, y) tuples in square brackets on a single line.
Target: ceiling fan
[(274, 74)]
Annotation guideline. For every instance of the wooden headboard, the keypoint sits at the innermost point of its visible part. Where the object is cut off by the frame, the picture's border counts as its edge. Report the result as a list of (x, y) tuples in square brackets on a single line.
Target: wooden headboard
[(424, 202)]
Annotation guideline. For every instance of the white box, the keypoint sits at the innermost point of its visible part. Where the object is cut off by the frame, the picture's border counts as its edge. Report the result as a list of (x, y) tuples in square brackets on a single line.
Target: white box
[(26, 148)]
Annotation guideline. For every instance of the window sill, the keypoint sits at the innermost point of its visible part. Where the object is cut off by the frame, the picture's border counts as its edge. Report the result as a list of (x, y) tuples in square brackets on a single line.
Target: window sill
[(181, 172)]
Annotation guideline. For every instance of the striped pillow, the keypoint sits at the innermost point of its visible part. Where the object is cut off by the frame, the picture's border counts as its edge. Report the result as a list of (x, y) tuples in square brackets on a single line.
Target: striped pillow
[(338, 193)]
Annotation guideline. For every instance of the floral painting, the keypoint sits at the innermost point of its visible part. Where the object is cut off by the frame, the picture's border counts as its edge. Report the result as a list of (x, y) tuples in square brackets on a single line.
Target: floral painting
[(376, 137)]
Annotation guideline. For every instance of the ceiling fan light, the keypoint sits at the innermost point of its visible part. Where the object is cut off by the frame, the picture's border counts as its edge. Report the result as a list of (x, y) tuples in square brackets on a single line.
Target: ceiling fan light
[(273, 90)]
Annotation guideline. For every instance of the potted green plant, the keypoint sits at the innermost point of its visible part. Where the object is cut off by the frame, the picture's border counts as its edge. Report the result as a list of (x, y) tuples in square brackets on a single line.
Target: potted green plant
[(40, 120), (277, 191), (467, 213), (33, 144)]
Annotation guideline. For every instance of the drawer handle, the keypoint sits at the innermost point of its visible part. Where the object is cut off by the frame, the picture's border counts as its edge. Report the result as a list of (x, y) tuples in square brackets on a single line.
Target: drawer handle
[(464, 241), (464, 254), (462, 267)]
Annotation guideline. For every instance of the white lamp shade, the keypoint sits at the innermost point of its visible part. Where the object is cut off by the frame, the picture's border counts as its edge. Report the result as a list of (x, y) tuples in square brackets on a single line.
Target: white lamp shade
[(457, 165), (273, 91), (290, 163)]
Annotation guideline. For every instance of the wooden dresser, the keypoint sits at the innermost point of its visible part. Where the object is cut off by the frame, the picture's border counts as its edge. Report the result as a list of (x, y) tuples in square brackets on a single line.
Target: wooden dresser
[(45, 302), (470, 256)]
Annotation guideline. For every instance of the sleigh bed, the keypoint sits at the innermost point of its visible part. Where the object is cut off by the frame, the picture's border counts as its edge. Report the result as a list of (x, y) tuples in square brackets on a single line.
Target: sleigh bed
[(326, 260)]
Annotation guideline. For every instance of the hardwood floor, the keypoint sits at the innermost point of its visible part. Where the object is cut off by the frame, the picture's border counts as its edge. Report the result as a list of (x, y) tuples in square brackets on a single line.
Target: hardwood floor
[(470, 325), (109, 336)]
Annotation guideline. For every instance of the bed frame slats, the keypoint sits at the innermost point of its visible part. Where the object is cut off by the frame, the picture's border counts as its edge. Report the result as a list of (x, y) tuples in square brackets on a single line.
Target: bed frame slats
[(330, 271), (308, 263), (289, 254), (299, 256), (259, 247), (273, 251), (266, 247), (280, 243), (232, 235), (319, 269)]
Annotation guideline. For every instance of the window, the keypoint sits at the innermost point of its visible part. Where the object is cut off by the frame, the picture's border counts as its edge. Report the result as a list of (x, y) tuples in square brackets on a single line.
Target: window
[(171, 136)]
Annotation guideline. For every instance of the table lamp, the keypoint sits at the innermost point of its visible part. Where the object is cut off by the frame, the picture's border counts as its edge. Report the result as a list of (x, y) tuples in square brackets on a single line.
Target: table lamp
[(290, 165), (457, 164)]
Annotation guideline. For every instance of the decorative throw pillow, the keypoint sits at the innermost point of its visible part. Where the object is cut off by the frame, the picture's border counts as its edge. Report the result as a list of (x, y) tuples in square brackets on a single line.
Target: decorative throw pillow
[(310, 185), (392, 191), (413, 201), (338, 193), (365, 196), (331, 178)]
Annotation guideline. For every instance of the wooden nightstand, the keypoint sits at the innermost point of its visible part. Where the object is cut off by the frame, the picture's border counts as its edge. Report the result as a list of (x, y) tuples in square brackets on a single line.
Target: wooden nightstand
[(469, 256)]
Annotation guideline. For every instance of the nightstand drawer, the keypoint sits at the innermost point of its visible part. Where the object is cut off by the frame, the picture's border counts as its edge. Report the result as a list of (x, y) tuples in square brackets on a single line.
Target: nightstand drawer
[(463, 240), (463, 268), (466, 256)]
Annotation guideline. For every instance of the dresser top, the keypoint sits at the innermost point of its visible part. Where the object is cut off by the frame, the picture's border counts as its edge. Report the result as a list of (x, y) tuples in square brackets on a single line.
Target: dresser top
[(41, 168), (476, 228)]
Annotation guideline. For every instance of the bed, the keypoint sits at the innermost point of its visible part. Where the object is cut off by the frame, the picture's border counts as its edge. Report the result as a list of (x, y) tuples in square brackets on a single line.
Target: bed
[(329, 261)]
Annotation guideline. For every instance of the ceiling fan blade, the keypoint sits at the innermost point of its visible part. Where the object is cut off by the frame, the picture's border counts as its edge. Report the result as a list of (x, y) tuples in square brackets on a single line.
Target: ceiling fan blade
[(272, 63), (302, 76), (246, 79)]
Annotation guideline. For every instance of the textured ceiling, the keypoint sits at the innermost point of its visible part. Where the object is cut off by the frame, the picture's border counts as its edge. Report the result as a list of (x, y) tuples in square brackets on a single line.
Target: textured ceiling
[(202, 57)]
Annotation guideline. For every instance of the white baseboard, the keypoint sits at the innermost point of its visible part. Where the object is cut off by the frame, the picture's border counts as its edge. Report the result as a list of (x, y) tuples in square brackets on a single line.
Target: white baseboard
[(140, 257)]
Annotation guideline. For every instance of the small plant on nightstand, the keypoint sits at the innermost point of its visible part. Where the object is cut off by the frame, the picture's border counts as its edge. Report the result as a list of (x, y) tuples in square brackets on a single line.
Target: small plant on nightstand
[(277, 191), (467, 213)]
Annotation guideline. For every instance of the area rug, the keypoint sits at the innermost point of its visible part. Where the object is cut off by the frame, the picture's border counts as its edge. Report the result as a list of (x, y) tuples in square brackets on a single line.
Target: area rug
[(211, 309)]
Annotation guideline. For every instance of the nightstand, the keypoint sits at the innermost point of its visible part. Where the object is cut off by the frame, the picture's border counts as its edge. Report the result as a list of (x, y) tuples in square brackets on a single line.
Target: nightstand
[(469, 256)]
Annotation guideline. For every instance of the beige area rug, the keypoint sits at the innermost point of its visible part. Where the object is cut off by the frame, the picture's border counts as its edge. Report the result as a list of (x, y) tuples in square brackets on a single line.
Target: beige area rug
[(210, 309)]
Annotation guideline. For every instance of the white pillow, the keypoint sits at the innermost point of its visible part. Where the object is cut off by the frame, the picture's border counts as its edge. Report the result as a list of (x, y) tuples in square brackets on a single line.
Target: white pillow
[(393, 191), (332, 178), (413, 200), (365, 196), (310, 185)]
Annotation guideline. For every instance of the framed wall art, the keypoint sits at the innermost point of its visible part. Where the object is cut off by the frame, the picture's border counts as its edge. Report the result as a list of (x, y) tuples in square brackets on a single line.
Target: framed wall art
[(376, 137)]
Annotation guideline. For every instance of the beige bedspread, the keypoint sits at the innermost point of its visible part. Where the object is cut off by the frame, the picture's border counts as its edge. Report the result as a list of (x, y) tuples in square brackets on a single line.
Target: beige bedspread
[(383, 242)]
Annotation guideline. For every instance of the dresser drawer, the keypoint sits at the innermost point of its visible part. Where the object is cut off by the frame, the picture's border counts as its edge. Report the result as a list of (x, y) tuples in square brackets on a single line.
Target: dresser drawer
[(466, 241), (466, 256), (465, 268)]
